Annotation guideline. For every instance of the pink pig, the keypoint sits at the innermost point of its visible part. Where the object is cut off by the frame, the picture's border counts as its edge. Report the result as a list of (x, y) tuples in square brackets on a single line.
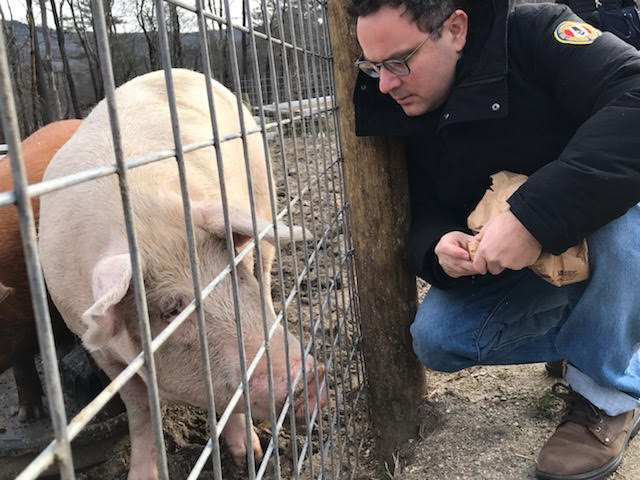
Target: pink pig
[(85, 257)]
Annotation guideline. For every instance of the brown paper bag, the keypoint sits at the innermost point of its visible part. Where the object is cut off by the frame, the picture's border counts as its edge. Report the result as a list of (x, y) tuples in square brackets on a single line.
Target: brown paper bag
[(569, 267)]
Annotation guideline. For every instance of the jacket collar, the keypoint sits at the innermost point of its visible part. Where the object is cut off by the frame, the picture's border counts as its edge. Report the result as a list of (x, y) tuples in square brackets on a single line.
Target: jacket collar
[(479, 91)]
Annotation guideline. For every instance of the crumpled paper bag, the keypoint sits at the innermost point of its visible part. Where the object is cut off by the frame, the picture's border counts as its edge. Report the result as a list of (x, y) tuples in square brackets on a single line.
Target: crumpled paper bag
[(569, 267)]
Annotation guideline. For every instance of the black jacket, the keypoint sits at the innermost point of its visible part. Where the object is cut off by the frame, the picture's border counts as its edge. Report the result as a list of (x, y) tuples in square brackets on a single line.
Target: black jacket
[(566, 115)]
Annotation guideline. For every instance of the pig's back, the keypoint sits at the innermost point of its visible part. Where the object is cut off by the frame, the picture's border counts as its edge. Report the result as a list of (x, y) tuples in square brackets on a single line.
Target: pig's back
[(79, 224), (145, 127)]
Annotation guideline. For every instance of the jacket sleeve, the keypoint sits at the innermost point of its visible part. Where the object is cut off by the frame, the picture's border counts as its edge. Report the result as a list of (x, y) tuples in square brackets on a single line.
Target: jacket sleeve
[(596, 178)]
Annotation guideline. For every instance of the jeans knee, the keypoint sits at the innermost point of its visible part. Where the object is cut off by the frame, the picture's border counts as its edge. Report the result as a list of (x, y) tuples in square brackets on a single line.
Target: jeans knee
[(433, 350)]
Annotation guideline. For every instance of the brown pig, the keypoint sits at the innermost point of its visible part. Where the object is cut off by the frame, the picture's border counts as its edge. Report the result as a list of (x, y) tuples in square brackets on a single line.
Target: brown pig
[(18, 339), (85, 257)]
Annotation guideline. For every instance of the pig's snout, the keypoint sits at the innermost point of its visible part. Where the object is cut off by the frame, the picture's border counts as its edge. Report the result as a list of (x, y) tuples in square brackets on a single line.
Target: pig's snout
[(312, 393)]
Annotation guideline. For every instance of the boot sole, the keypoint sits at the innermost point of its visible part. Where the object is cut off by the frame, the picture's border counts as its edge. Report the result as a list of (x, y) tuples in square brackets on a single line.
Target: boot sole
[(602, 472)]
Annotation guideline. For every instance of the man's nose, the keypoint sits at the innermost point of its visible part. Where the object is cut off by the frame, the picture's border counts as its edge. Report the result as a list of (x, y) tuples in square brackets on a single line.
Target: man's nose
[(388, 80)]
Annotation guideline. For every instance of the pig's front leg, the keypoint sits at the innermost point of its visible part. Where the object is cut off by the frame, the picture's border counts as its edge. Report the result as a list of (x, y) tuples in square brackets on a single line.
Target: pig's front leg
[(142, 465), (29, 389), (235, 437), (268, 252)]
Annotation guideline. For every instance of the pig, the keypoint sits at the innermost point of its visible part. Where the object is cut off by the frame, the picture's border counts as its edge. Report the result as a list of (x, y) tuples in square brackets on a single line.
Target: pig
[(86, 262), (18, 339)]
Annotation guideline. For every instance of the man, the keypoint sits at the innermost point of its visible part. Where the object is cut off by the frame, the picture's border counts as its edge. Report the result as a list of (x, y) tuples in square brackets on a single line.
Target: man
[(477, 87)]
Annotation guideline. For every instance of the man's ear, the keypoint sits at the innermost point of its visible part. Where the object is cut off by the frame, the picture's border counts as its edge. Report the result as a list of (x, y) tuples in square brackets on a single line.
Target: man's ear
[(457, 27)]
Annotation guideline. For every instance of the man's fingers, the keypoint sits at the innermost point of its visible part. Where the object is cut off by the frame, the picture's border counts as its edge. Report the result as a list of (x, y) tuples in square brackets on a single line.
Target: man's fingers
[(453, 254), (495, 269), (480, 264), (452, 251), (461, 253), (461, 270)]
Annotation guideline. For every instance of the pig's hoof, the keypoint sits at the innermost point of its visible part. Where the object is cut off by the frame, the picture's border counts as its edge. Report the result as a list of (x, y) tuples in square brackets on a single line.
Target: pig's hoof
[(239, 450), (239, 459), (257, 448), (30, 412)]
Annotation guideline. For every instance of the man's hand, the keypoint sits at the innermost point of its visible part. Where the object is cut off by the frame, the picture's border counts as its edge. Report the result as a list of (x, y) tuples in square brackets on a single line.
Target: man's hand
[(453, 255), (505, 243)]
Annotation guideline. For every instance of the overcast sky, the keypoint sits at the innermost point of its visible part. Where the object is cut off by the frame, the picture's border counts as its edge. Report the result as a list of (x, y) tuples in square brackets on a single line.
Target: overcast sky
[(19, 10)]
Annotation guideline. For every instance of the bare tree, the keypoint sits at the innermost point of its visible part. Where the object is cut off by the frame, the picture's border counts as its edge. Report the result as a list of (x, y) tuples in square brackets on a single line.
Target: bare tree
[(117, 44), (144, 15), (80, 23), (218, 46), (65, 60), (13, 52), (109, 18), (48, 69), (176, 43), (133, 52), (35, 64), (246, 19)]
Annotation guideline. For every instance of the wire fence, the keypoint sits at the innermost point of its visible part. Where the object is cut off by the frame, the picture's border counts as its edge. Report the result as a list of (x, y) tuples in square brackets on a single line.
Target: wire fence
[(269, 90), (300, 357)]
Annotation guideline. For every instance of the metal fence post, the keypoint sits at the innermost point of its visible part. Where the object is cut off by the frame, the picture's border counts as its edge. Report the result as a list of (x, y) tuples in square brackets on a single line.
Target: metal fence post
[(377, 192), (9, 120)]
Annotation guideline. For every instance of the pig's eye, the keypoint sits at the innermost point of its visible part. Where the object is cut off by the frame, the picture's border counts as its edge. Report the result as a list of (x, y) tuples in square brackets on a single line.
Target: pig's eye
[(172, 310)]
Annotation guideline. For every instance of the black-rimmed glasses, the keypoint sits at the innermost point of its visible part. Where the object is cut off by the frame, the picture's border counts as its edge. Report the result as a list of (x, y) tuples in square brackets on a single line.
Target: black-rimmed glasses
[(396, 66)]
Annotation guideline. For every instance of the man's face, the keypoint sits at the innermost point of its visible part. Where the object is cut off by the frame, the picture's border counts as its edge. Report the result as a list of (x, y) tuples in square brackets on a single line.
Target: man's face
[(387, 34)]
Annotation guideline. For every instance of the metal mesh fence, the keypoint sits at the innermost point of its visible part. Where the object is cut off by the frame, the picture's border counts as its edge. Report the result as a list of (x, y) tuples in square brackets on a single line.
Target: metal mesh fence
[(309, 293)]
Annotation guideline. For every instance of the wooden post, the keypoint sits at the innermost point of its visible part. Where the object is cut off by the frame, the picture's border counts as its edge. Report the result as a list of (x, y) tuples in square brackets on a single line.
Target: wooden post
[(378, 194)]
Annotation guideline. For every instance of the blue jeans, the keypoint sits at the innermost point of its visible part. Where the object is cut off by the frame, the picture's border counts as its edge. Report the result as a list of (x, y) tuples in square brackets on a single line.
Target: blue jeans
[(516, 317)]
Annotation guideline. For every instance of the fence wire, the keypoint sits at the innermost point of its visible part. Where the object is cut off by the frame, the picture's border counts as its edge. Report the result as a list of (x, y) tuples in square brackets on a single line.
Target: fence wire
[(290, 87)]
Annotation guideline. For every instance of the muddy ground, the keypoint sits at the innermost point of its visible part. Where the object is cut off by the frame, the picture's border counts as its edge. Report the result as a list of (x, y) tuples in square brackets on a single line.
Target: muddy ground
[(482, 423)]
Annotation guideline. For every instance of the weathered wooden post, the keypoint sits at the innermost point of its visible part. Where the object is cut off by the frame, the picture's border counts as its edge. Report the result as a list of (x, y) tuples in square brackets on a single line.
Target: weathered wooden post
[(378, 195)]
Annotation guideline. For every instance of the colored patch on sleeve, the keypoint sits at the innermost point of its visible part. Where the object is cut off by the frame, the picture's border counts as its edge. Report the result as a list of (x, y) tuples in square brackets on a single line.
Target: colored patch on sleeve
[(576, 33)]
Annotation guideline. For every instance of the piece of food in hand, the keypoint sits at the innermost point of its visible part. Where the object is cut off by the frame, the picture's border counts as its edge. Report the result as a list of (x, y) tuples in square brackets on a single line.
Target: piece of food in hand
[(472, 246)]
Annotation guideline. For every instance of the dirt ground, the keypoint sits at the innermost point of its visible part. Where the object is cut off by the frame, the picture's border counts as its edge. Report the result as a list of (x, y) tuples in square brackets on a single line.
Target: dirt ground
[(488, 423), (482, 423)]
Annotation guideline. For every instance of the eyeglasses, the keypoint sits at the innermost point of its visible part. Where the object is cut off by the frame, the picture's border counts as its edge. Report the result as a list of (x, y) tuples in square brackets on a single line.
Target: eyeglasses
[(396, 66)]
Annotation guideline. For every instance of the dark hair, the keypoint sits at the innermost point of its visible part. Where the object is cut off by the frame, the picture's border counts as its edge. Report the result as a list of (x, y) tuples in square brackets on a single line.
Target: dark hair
[(429, 15)]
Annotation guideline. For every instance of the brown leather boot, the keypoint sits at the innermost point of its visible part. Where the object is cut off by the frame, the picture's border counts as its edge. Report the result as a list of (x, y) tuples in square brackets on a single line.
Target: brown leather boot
[(588, 443)]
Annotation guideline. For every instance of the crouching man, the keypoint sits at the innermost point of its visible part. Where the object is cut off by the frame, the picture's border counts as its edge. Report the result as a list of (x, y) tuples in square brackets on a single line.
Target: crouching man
[(477, 87)]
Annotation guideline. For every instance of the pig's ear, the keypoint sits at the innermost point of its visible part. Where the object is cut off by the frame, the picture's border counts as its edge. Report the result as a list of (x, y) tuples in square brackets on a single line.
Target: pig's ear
[(109, 284), (5, 291), (208, 216)]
